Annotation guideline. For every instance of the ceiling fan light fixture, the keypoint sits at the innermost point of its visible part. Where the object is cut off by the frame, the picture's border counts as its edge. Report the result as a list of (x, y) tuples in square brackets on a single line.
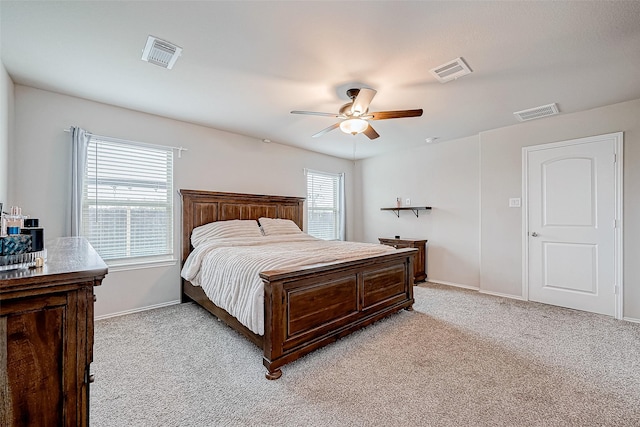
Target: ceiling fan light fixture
[(356, 115), (354, 126)]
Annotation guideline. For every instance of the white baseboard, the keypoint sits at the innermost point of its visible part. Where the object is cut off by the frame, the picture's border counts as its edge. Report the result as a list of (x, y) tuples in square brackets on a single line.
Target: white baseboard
[(457, 285), (475, 288), (631, 319), (137, 310), (498, 294)]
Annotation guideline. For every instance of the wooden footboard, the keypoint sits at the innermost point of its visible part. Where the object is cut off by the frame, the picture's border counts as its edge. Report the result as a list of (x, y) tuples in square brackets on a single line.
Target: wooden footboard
[(311, 307)]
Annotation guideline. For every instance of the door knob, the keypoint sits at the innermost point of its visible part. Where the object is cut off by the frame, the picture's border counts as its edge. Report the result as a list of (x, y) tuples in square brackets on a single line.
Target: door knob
[(534, 234)]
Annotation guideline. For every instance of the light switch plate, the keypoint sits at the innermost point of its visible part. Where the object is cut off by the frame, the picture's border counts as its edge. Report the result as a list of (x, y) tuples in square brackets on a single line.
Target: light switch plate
[(514, 203)]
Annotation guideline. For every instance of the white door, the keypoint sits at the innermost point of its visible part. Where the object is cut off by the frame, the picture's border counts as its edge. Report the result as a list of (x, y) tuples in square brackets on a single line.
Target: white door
[(572, 210)]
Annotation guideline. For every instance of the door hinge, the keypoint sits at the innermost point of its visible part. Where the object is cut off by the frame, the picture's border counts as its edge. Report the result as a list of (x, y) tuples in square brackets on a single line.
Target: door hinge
[(615, 223), (615, 158), (616, 290)]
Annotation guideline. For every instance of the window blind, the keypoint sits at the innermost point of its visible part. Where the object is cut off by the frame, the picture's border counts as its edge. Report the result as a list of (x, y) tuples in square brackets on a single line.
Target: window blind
[(324, 205), (127, 203)]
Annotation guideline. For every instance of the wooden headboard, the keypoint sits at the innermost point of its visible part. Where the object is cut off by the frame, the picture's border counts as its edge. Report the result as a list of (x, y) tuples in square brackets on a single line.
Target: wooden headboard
[(202, 207)]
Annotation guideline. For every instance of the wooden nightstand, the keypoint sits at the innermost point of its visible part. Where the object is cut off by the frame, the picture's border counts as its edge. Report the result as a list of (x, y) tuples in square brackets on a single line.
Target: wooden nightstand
[(419, 266)]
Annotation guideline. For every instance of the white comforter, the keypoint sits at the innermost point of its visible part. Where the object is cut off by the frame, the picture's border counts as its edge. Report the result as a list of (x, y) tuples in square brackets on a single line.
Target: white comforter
[(228, 269)]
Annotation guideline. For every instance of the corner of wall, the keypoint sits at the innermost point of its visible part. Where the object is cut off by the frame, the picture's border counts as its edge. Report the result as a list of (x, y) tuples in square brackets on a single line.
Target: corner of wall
[(6, 119)]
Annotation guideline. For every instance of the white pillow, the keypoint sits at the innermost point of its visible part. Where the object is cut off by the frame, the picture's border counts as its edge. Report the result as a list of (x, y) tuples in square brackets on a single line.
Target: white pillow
[(278, 226), (223, 229)]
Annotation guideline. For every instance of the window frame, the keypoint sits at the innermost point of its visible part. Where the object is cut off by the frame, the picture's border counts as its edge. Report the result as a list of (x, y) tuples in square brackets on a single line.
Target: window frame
[(337, 208), (166, 253)]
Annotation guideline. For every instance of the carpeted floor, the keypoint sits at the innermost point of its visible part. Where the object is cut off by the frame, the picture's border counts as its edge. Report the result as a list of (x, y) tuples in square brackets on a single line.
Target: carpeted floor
[(460, 359)]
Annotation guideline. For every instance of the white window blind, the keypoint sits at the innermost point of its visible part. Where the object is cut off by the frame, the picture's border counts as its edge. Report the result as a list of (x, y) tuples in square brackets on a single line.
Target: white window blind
[(324, 205), (127, 202)]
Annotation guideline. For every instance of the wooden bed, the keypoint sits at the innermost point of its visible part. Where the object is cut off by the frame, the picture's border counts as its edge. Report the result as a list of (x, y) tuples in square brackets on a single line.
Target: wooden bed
[(305, 308)]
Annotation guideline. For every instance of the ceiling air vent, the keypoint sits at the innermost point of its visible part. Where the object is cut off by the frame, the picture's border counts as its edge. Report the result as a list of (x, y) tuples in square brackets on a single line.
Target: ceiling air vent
[(161, 52), (451, 70), (537, 112)]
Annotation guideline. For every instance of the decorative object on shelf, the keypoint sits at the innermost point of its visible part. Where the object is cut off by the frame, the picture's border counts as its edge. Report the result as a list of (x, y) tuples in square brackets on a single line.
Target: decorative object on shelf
[(415, 209)]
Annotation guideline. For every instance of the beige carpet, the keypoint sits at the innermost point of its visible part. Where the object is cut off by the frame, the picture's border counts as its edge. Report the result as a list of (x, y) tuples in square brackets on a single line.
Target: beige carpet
[(460, 359)]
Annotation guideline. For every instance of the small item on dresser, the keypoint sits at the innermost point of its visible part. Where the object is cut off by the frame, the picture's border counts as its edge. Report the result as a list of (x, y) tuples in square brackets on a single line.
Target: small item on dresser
[(14, 221), (397, 237), (398, 202), (37, 237), (15, 245), (31, 222)]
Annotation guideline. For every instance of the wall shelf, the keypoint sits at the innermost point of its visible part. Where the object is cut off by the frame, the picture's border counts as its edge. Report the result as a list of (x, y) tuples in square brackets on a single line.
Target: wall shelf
[(415, 209)]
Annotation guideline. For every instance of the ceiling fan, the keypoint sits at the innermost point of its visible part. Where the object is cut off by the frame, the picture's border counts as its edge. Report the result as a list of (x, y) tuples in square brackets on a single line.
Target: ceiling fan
[(355, 115)]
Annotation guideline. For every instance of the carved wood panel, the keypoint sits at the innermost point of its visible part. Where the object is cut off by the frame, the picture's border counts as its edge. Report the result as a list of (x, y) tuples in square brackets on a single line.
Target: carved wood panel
[(294, 213), (383, 284), (34, 366), (246, 211), (204, 213), (318, 306)]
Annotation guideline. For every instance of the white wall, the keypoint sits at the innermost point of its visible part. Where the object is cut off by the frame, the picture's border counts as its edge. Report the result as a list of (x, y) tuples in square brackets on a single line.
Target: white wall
[(501, 177), (441, 175), (6, 131), (40, 175), (475, 239), (468, 182)]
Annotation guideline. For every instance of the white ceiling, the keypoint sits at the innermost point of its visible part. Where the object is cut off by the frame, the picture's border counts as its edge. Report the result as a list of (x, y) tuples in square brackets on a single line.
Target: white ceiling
[(246, 65)]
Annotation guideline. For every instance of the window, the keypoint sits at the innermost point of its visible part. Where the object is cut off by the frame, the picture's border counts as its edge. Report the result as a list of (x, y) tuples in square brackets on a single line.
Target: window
[(127, 200), (325, 205)]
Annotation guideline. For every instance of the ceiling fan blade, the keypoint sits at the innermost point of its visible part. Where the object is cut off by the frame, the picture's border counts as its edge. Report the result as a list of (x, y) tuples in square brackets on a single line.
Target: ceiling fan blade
[(323, 131), (382, 115), (370, 132), (315, 113), (362, 101)]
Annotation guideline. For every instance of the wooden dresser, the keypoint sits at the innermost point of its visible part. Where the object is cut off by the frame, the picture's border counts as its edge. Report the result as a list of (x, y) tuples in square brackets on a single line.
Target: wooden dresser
[(420, 263), (46, 337)]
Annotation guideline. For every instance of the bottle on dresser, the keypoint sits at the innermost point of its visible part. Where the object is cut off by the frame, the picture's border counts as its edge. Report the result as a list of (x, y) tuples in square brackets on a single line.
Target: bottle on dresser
[(14, 221)]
